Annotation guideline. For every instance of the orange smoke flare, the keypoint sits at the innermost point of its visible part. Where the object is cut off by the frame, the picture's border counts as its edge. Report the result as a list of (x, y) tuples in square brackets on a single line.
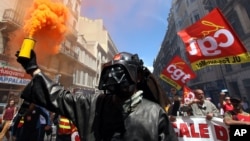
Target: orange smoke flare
[(46, 22)]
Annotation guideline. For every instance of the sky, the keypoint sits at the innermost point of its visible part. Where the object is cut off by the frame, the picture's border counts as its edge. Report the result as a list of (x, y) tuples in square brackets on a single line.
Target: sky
[(135, 26)]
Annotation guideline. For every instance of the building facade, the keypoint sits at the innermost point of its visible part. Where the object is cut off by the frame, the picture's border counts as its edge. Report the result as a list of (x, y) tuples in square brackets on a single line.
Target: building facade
[(12, 78), (100, 44)]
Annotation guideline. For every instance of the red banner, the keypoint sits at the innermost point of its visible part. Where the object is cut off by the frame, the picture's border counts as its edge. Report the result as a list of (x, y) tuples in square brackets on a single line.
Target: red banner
[(199, 129), (177, 73), (212, 41)]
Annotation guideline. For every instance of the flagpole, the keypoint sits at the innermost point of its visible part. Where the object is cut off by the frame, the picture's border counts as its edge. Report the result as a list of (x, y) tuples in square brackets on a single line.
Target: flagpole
[(223, 77)]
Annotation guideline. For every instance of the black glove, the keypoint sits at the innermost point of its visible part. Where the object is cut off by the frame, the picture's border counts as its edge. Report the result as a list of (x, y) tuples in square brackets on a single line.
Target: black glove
[(29, 64)]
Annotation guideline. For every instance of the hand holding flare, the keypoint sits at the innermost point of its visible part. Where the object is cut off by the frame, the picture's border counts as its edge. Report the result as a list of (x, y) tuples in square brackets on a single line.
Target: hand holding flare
[(46, 22), (27, 46)]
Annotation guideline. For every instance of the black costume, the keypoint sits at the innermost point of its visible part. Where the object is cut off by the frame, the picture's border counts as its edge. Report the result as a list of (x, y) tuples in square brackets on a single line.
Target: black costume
[(102, 117)]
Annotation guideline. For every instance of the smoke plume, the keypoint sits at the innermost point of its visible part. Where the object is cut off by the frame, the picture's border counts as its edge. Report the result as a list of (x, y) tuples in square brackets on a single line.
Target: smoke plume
[(46, 22)]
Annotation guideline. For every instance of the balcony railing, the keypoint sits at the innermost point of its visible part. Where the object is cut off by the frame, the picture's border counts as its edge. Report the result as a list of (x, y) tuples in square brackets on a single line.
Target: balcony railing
[(10, 15), (69, 52)]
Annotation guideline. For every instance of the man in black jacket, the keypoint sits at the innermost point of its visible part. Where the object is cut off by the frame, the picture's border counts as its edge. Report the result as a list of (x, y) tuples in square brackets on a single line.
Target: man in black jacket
[(122, 113), (30, 131)]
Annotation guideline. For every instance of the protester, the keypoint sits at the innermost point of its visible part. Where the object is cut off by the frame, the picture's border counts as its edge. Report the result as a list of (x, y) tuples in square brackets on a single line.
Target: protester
[(121, 113), (178, 107), (202, 107), (17, 128), (174, 108), (245, 104), (8, 114), (186, 110), (173, 94), (66, 130), (225, 102), (45, 124), (30, 130), (237, 116)]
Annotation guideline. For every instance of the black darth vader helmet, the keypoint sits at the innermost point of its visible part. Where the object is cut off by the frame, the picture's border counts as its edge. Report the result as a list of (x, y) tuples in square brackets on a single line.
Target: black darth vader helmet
[(120, 72)]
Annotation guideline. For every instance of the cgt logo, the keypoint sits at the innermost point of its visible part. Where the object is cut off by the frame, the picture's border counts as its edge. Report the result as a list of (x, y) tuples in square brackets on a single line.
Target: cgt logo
[(210, 45), (189, 96), (239, 131), (177, 73)]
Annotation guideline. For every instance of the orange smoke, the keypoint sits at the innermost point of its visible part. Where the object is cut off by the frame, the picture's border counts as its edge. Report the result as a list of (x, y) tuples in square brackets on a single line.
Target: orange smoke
[(46, 22)]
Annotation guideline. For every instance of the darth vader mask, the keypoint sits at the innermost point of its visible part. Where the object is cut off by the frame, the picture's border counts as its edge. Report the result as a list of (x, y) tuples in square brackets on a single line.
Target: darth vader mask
[(120, 75), (117, 81)]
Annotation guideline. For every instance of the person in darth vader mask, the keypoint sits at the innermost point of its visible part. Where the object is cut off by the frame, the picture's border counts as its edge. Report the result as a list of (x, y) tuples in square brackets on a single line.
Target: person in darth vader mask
[(121, 75), (125, 111)]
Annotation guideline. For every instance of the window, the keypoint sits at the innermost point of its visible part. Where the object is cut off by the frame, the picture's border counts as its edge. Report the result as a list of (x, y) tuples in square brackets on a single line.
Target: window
[(246, 83), (179, 23), (70, 5), (244, 65), (196, 17), (228, 68), (177, 7), (1, 43), (247, 5), (208, 69), (235, 87), (76, 7), (235, 22), (221, 3)]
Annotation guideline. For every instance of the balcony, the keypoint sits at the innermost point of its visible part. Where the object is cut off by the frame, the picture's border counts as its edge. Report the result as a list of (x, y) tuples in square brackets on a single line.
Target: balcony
[(69, 52), (11, 17)]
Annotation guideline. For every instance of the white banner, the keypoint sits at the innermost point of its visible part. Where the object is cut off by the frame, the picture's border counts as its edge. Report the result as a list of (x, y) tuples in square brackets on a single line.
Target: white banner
[(9, 75), (14, 80), (200, 129)]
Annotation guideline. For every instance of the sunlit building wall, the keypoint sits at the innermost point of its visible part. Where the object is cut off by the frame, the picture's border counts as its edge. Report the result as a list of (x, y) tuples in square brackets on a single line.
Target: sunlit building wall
[(99, 42)]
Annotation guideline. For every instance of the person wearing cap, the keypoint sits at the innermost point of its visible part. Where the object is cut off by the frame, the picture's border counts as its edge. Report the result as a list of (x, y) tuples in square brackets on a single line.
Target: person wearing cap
[(175, 103), (225, 102), (128, 109), (237, 116)]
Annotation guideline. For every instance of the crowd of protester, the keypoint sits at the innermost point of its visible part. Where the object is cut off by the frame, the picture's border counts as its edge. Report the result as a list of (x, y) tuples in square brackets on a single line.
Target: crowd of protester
[(233, 110), (36, 121)]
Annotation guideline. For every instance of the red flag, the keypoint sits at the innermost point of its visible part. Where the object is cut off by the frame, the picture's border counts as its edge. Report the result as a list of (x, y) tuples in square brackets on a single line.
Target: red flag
[(212, 41), (188, 95), (177, 73)]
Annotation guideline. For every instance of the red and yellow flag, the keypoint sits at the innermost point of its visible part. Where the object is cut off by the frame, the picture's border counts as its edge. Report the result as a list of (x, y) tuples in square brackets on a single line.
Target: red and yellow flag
[(188, 95), (212, 41), (177, 73)]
